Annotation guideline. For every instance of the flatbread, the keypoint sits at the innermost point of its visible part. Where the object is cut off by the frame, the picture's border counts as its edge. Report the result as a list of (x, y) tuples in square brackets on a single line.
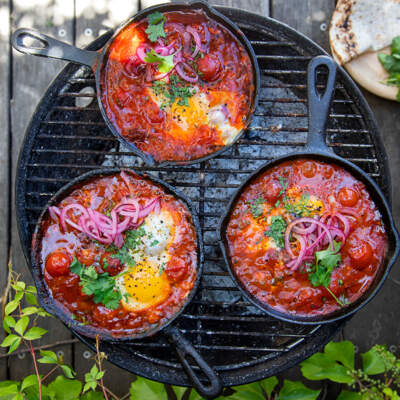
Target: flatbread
[(358, 26)]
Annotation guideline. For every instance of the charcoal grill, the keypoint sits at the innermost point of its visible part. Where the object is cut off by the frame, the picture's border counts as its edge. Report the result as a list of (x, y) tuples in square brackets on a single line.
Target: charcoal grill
[(67, 137)]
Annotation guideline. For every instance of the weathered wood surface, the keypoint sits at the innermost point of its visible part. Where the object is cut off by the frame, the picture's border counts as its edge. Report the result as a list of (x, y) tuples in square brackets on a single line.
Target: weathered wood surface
[(80, 21), (4, 155), (30, 78)]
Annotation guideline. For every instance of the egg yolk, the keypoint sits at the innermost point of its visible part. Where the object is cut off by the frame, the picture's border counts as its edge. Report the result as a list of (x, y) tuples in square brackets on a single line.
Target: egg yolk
[(144, 287)]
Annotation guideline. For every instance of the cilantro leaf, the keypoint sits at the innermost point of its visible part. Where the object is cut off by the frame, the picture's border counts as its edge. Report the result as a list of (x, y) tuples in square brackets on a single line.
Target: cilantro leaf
[(155, 18), (176, 90), (325, 262), (391, 62), (165, 63), (101, 286), (256, 207), (277, 230), (131, 242), (284, 182), (155, 29)]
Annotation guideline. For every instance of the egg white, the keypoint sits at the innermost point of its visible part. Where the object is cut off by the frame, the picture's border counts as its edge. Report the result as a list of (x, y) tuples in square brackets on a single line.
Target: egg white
[(197, 113), (151, 257)]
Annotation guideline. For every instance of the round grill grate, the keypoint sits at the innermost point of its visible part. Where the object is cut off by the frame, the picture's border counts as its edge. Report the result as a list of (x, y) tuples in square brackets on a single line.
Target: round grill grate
[(67, 137)]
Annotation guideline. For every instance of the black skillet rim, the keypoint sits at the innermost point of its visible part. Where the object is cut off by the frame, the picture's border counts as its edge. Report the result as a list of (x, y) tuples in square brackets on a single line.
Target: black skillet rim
[(46, 299), (176, 6), (247, 373), (384, 269)]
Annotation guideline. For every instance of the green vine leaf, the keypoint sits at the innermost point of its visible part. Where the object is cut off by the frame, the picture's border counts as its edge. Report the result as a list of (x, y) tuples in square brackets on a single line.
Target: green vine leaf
[(8, 322), (21, 325), (179, 391), (269, 385), (342, 352), (92, 396), (34, 333), (8, 389), (66, 389), (146, 389), (11, 306), (68, 371), (333, 364), (91, 378), (48, 357), (12, 341), (19, 286), (346, 395), (30, 310), (31, 299), (30, 380), (377, 360), (297, 391), (194, 395), (251, 391)]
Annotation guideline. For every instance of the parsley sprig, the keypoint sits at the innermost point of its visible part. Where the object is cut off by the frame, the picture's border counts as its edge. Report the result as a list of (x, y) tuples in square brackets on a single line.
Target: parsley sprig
[(176, 90), (101, 286), (256, 207), (277, 230), (131, 242), (165, 63), (321, 272), (155, 29), (391, 62)]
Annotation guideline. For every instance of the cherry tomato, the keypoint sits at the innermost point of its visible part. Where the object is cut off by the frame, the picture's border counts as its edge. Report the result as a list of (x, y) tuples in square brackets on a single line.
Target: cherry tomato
[(272, 191), (86, 256), (57, 263), (209, 66), (348, 197), (110, 264), (361, 254), (177, 270), (308, 169)]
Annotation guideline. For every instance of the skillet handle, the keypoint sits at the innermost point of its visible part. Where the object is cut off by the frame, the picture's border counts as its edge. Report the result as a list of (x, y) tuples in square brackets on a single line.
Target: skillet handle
[(319, 105), (51, 47), (184, 348)]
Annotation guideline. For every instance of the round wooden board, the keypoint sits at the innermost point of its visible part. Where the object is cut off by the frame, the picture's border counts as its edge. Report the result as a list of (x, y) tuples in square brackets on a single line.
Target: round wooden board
[(368, 72)]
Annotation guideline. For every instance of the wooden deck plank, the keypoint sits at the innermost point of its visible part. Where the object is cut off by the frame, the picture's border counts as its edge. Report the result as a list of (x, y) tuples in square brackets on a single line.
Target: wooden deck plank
[(310, 17), (31, 76), (259, 7), (4, 155)]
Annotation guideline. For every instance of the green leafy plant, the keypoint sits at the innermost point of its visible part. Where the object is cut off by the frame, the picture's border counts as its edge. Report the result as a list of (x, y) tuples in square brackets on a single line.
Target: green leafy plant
[(391, 62), (378, 379)]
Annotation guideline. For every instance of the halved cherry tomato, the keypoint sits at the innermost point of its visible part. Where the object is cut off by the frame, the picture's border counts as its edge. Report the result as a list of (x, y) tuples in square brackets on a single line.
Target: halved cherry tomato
[(348, 197), (86, 256), (58, 262), (309, 169), (209, 66), (361, 253), (176, 270)]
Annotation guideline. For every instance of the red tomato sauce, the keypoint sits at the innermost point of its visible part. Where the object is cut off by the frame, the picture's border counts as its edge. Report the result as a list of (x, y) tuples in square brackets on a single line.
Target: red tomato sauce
[(59, 247), (225, 78), (262, 267)]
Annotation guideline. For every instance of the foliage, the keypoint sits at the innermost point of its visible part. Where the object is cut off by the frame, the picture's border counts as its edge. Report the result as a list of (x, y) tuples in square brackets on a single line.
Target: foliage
[(378, 379), (391, 62)]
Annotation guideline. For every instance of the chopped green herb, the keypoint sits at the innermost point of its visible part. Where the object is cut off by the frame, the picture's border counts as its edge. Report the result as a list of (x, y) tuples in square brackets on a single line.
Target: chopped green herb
[(176, 90), (155, 18), (340, 282), (391, 62), (284, 183), (154, 243), (119, 103), (165, 63), (162, 268), (302, 208), (277, 203), (132, 241), (155, 29), (256, 207), (101, 286), (325, 262), (277, 230)]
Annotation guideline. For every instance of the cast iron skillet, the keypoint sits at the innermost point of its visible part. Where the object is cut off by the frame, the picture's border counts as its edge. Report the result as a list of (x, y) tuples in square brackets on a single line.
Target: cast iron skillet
[(182, 346), (318, 111), (97, 59)]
